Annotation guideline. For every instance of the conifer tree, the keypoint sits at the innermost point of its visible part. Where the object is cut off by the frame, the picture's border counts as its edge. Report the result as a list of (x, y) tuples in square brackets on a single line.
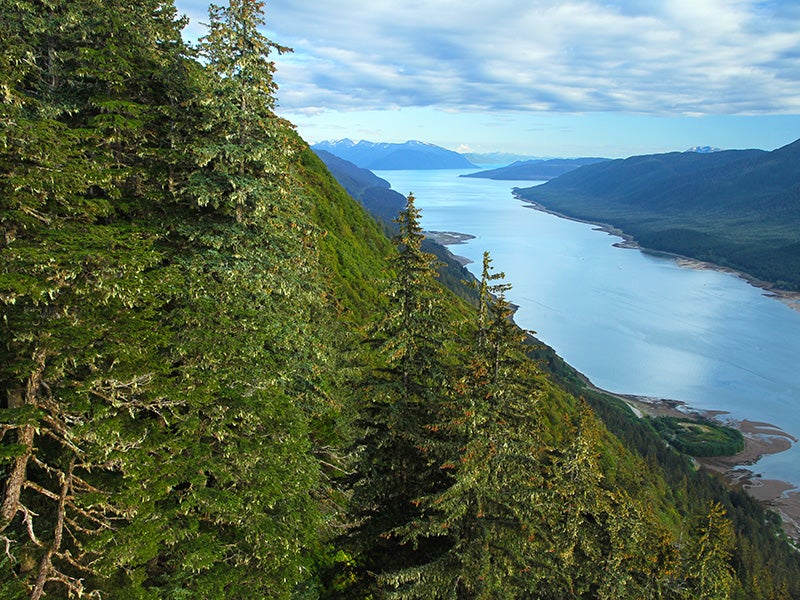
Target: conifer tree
[(239, 158), (248, 355), (400, 397), (707, 566), (490, 514), (79, 280), (160, 367), (605, 542)]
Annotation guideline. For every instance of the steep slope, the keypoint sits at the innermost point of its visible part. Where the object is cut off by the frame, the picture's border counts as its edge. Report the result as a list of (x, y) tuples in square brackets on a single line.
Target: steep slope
[(201, 332), (739, 209), (385, 204), (374, 194)]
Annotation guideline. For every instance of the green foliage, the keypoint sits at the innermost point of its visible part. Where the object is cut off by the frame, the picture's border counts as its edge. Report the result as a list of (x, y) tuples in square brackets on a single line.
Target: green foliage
[(700, 437), (398, 397), (242, 145), (184, 291), (154, 389), (710, 575)]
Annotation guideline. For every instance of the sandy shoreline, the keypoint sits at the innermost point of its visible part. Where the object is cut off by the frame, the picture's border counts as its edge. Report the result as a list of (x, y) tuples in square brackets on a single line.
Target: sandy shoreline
[(451, 238), (760, 439)]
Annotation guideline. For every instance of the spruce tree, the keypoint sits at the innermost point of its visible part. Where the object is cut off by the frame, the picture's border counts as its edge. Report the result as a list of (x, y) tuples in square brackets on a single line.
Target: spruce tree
[(525, 512), (605, 542), (707, 566), (399, 398), (239, 156), (248, 355), (489, 515), (160, 356), (79, 280)]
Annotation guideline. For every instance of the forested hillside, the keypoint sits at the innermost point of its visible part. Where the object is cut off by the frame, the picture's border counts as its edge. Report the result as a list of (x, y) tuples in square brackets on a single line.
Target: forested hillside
[(535, 170), (737, 208), (221, 380)]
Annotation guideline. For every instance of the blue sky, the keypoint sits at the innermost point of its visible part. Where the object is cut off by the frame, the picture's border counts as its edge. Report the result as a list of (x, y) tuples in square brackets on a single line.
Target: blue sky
[(540, 77)]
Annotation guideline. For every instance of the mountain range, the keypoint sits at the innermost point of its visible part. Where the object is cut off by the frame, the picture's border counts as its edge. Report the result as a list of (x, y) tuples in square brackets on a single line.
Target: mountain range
[(381, 156), (735, 208), (535, 170)]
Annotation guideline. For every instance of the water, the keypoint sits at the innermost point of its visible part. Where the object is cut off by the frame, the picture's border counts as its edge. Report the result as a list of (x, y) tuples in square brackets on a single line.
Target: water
[(632, 322)]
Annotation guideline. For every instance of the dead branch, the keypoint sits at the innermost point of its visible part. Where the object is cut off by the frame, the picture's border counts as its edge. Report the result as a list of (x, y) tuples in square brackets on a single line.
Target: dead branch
[(28, 518), (8, 548), (47, 572), (37, 488), (16, 478)]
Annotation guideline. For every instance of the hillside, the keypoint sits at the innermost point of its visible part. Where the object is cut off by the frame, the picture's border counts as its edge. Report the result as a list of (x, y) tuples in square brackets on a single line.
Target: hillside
[(736, 208), (385, 204), (220, 380), (386, 156), (374, 194), (535, 170)]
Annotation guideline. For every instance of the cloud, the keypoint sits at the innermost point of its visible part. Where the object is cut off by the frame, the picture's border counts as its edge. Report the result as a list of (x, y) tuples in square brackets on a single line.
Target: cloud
[(667, 57)]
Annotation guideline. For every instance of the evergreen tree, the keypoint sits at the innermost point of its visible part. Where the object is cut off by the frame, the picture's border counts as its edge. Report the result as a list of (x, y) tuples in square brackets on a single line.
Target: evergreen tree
[(490, 513), (707, 557), (249, 356), (526, 514), (606, 542), (160, 362), (78, 279), (239, 158), (399, 398)]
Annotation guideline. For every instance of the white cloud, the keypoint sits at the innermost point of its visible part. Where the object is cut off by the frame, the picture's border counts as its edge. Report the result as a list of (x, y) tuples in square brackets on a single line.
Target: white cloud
[(667, 57)]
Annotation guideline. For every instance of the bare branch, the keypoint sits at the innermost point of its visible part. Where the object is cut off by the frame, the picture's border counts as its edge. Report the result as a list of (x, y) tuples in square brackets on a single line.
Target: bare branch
[(8, 548), (68, 558), (28, 518), (35, 214), (47, 572), (16, 477), (36, 487)]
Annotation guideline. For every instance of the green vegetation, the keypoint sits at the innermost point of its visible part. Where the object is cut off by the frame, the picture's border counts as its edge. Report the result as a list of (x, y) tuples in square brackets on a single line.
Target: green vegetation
[(737, 209), (700, 437), (220, 380)]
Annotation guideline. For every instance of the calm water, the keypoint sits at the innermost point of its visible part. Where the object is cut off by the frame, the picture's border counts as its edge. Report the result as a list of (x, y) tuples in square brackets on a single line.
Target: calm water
[(632, 322)]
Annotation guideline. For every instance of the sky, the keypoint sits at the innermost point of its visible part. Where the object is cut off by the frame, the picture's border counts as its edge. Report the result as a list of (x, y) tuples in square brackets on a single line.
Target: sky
[(611, 78)]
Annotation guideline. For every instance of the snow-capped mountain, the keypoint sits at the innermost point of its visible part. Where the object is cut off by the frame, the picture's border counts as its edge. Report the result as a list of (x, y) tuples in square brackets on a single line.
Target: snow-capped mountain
[(377, 156)]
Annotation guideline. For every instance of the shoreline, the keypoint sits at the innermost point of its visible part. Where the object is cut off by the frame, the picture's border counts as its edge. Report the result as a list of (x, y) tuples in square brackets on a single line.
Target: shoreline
[(451, 238), (790, 299), (760, 438)]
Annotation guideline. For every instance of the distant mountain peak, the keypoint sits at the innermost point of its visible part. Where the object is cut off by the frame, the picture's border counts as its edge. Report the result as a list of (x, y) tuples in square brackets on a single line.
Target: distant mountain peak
[(703, 149), (412, 154)]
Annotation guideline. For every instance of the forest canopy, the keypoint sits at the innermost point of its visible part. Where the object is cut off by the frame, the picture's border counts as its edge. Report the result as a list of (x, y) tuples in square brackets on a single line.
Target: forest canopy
[(221, 380)]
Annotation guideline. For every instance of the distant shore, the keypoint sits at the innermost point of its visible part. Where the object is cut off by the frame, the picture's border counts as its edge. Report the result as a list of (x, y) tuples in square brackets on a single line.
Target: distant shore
[(791, 299), (451, 238), (760, 439)]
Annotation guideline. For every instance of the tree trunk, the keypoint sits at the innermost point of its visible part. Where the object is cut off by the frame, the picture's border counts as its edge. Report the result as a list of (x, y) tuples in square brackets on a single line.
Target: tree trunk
[(25, 434)]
